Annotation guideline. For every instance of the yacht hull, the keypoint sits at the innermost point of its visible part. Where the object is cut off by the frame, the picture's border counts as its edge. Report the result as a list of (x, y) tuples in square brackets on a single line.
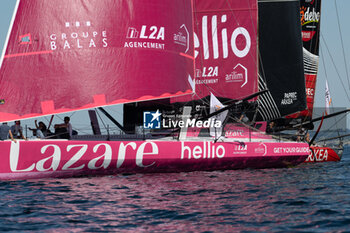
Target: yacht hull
[(324, 154), (53, 158)]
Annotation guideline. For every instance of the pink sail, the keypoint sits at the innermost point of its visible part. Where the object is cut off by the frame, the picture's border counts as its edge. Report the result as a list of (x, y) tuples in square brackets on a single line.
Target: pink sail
[(70, 55), (225, 48)]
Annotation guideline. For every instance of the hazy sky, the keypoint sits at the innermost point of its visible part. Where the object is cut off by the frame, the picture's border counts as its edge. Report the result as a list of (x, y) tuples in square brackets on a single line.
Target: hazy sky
[(330, 40)]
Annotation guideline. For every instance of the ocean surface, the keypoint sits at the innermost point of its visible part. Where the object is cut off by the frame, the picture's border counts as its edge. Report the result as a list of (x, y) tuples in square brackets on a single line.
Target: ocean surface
[(307, 198)]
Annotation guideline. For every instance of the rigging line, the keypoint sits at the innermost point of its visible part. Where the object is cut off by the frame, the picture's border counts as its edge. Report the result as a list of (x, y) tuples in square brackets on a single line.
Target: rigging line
[(335, 67), (272, 107), (342, 43), (263, 113), (267, 99), (264, 108), (200, 57), (72, 114), (268, 107), (330, 127), (324, 67), (269, 96), (98, 114)]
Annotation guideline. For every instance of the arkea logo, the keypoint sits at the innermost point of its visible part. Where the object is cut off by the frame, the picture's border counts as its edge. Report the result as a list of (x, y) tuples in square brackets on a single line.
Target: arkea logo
[(151, 120), (25, 39)]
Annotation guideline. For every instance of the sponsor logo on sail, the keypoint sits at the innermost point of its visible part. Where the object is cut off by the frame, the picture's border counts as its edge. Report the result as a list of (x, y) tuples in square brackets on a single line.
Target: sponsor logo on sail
[(228, 42), (239, 74), (308, 35), (78, 35), (309, 15), (147, 37), (310, 91), (182, 37), (207, 75), (25, 39), (289, 98)]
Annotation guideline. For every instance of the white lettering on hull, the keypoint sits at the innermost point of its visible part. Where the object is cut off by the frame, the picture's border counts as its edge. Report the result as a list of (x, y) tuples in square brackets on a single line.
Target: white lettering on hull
[(319, 154), (206, 151), (14, 158), (53, 161)]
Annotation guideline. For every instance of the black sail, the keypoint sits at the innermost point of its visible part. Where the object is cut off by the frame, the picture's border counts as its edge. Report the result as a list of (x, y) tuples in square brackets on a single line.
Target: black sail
[(281, 59)]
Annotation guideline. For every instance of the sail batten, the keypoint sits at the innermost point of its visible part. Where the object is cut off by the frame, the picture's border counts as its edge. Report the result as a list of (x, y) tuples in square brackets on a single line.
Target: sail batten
[(61, 55)]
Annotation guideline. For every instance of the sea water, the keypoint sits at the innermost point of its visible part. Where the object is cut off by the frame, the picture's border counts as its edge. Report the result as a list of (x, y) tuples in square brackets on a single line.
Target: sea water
[(311, 197)]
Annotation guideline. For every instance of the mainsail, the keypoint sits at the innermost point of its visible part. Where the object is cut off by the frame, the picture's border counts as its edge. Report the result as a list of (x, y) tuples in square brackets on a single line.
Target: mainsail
[(226, 61), (94, 53), (310, 21), (225, 49), (281, 68)]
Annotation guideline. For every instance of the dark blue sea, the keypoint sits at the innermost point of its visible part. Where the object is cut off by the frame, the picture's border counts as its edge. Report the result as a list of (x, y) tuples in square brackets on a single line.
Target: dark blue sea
[(307, 198)]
